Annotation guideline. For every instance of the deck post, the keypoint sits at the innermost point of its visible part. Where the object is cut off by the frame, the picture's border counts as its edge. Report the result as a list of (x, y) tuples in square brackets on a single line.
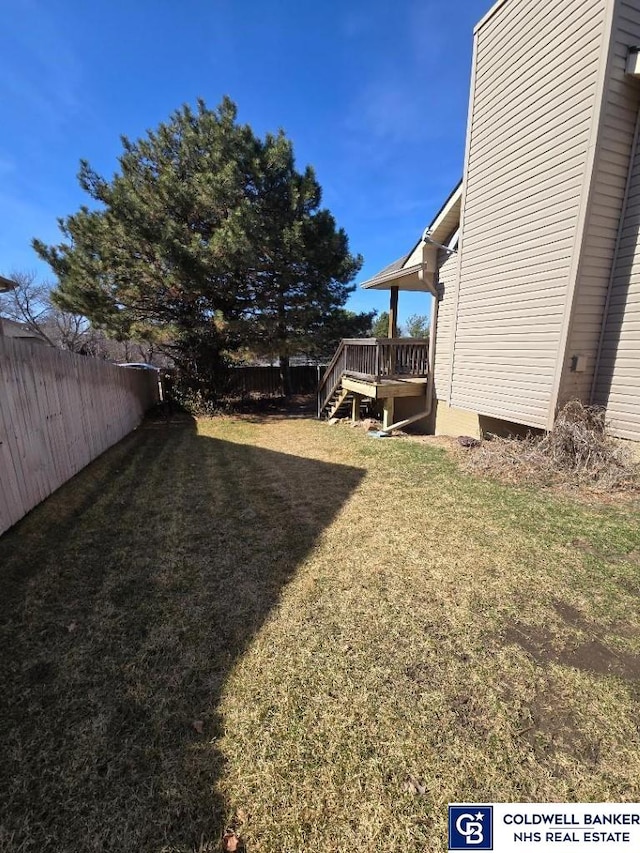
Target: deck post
[(355, 408), (393, 327), (387, 413), (393, 313)]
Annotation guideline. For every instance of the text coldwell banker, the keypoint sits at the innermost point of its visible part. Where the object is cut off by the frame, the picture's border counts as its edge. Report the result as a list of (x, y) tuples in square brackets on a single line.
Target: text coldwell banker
[(571, 819)]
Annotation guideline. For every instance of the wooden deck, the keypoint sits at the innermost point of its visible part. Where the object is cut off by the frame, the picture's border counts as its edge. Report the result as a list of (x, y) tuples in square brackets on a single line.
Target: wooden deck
[(412, 387), (374, 368)]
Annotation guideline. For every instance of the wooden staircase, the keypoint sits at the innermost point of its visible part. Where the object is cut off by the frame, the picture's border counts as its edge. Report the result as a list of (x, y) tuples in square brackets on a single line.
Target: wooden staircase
[(340, 404)]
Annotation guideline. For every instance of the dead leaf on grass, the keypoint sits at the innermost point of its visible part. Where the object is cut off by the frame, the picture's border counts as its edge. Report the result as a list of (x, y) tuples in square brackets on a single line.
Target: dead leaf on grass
[(414, 785), (231, 842), (468, 441), (198, 725)]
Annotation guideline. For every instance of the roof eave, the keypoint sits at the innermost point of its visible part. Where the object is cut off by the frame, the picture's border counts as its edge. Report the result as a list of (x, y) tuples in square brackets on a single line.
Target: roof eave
[(411, 278), (391, 277), (440, 227)]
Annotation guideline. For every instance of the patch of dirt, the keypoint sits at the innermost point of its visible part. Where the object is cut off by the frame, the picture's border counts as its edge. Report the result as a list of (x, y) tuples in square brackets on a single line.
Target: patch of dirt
[(418, 673), (554, 729), (632, 587), (587, 548), (471, 714), (623, 629), (572, 616), (536, 642), (593, 656)]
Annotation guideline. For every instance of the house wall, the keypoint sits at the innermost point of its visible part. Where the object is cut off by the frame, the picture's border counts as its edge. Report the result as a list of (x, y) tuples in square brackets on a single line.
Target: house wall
[(452, 421), (612, 160), (455, 422), (534, 94), (11, 329), (447, 276), (617, 384)]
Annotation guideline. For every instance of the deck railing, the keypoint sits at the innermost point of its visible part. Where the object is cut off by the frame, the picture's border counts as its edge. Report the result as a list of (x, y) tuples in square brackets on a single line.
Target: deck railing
[(374, 359)]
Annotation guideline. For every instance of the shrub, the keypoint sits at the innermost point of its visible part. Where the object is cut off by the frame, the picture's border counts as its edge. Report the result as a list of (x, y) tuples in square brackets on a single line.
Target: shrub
[(577, 451)]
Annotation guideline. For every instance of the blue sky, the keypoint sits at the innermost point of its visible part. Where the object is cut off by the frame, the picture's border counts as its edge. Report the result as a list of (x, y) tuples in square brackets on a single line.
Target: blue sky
[(373, 94)]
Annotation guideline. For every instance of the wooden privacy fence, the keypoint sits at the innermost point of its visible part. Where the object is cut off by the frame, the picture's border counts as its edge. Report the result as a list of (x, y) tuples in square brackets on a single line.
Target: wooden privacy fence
[(58, 411), (267, 381)]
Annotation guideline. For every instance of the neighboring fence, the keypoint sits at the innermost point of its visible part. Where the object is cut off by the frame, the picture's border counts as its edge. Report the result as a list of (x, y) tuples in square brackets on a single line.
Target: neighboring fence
[(267, 381), (58, 411)]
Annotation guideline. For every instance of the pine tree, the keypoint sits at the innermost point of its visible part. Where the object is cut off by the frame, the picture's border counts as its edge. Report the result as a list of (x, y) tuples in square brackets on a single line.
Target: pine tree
[(302, 278), (380, 327), (207, 233), (418, 326)]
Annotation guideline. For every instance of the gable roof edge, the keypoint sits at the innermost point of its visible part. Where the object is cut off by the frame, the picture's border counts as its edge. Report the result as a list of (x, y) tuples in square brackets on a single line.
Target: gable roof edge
[(443, 215)]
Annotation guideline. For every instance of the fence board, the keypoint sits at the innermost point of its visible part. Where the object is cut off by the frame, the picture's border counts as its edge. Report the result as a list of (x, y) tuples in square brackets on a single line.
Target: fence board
[(58, 411)]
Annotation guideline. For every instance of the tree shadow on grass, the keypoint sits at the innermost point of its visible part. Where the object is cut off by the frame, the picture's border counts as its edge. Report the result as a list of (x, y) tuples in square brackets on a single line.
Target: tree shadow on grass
[(127, 598)]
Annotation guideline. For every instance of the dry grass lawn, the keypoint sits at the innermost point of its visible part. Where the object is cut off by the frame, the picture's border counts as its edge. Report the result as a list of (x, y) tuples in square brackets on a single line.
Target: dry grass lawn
[(272, 623)]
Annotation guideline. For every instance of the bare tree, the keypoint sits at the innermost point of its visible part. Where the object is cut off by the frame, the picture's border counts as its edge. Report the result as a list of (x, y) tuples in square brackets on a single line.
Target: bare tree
[(29, 304)]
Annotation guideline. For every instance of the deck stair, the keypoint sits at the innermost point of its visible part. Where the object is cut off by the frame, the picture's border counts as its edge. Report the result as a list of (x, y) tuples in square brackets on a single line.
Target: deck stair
[(340, 405)]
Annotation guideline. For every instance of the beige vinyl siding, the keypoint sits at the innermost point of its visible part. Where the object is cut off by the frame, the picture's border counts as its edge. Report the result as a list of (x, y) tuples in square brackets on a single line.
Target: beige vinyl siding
[(617, 384), (448, 271), (533, 100), (611, 168)]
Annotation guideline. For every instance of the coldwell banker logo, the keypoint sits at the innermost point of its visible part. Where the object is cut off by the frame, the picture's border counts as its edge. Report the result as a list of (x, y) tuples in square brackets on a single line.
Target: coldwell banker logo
[(471, 827)]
